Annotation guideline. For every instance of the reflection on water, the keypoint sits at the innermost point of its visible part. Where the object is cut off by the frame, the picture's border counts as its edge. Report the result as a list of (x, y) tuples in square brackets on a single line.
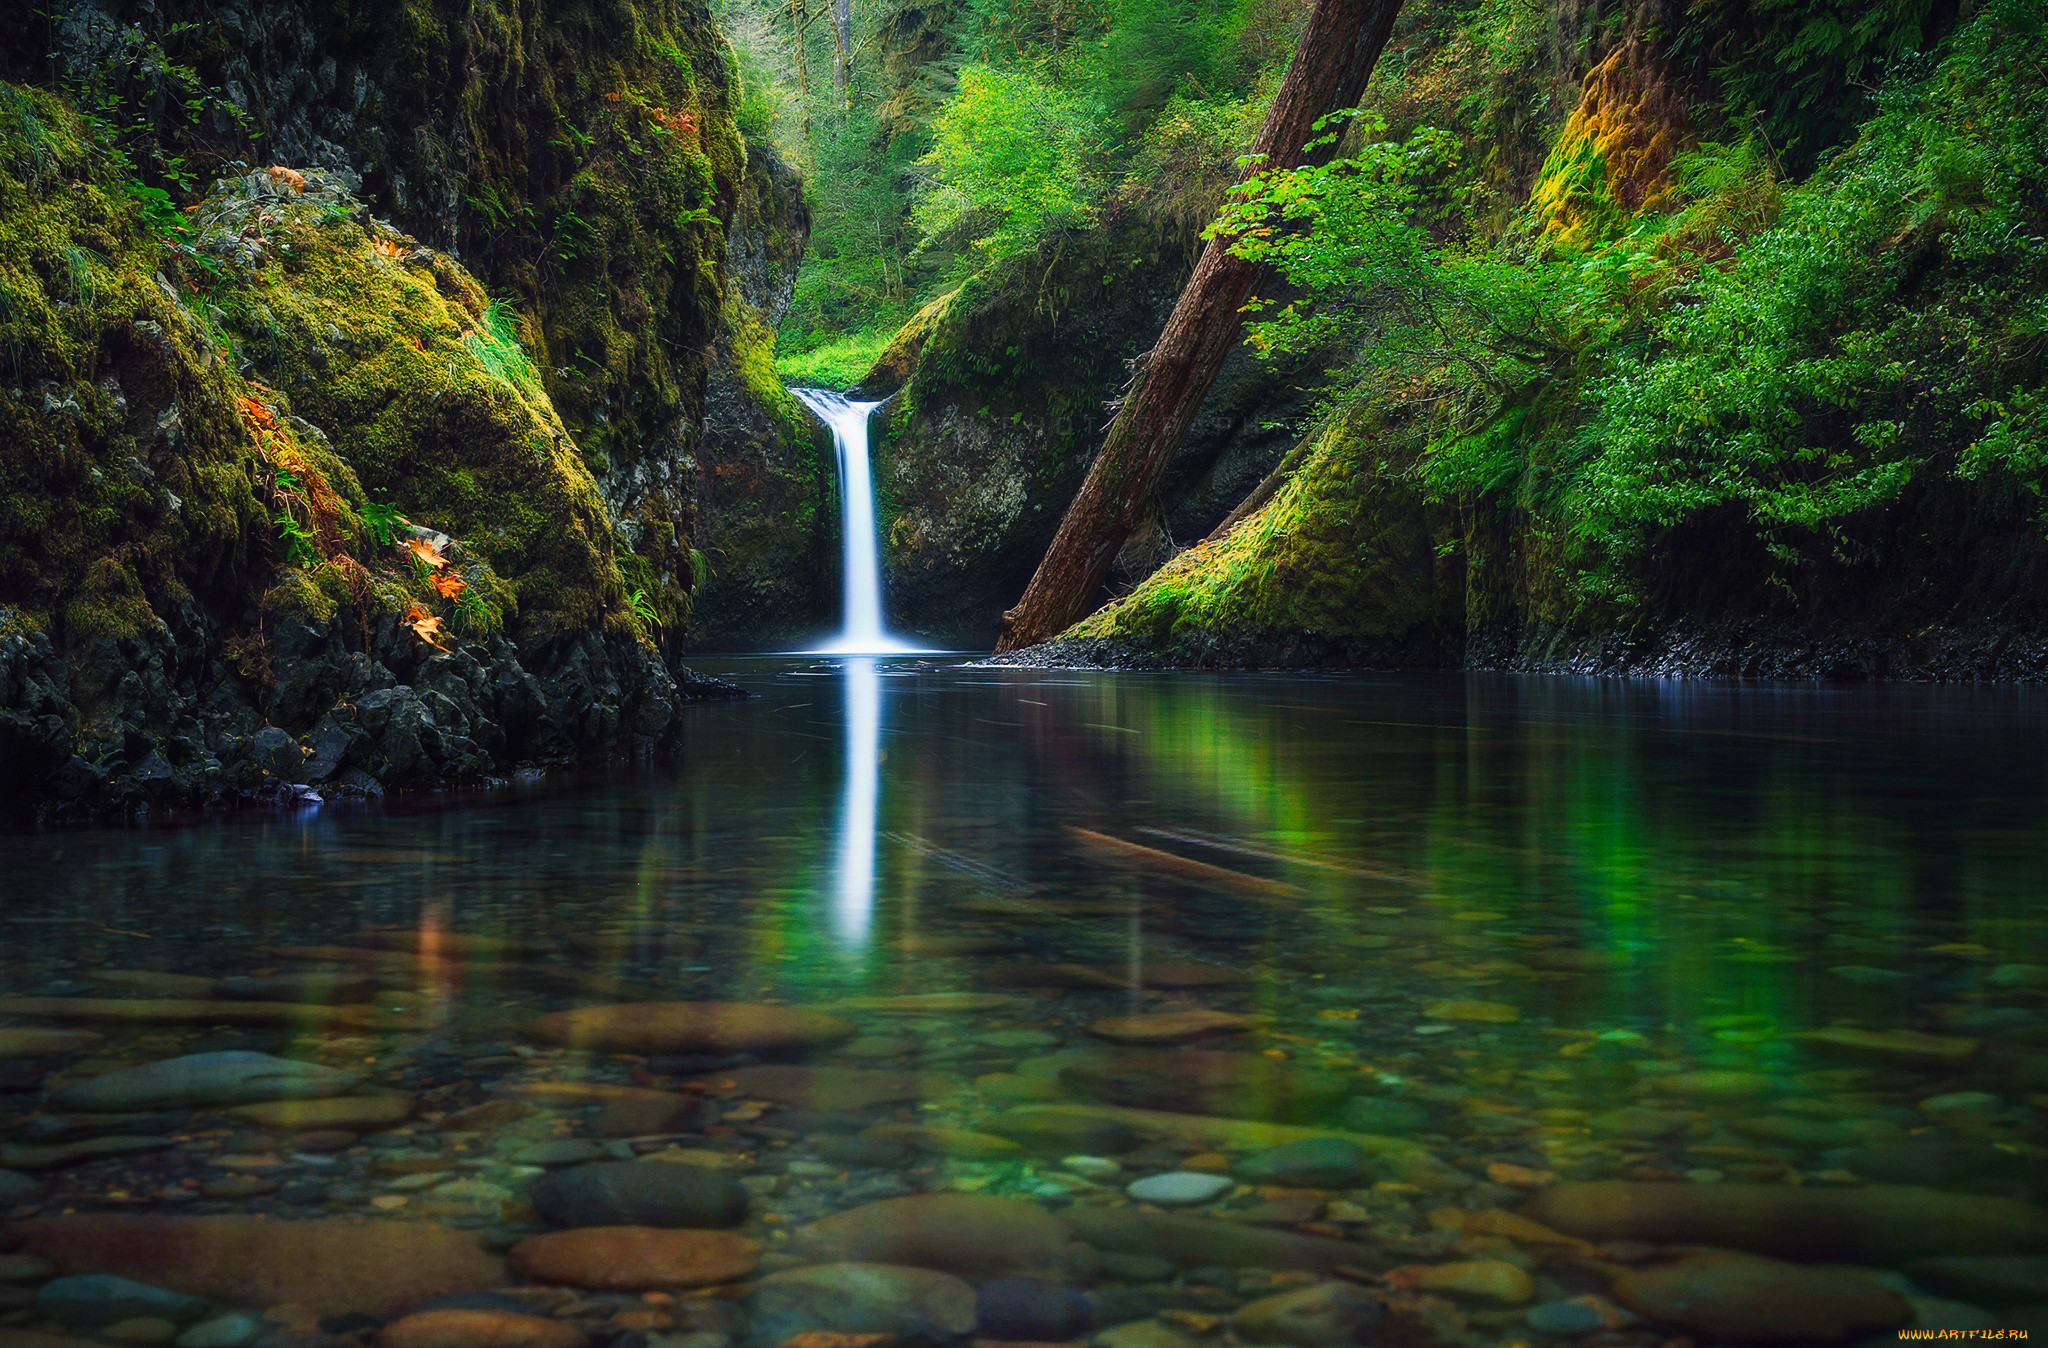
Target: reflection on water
[(859, 812), (1460, 1010)]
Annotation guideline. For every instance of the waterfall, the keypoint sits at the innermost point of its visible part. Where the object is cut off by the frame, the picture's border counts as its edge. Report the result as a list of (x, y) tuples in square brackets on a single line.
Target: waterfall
[(860, 625)]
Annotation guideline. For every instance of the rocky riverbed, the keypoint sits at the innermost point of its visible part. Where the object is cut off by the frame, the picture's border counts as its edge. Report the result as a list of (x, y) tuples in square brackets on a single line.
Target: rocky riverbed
[(427, 1139)]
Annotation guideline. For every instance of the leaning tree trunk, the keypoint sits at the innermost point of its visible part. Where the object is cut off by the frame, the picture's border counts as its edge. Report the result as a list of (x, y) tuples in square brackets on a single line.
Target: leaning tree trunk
[(1337, 52)]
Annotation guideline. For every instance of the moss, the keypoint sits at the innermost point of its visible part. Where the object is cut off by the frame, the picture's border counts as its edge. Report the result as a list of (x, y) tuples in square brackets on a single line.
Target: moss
[(892, 368), (1343, 558), (754, 365), (1611, 162)]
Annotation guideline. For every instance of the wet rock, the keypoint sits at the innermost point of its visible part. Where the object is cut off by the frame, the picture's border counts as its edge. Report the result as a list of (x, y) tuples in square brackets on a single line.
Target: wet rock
[(332, 1266), (1143, 1334), (184, 1011), (1738, 1298), (568, 1151), (1313, 1163), (96, 1300), (1198, 1242), (1204, 1081), (1170, 1027), (862, 1298), (1717, 1085), (877, 1152), (931, 1003), (1637, 1121), (1990, 1280), (16, 1042), (1178, 1188), (1051, 1133), (1320, 1316), (69, 1127), (691, 1027), (71, 1153), (479, 1329), (1792, 1131), (961, 1143), (201, 1079), (142, 1330), (1935, 1159), (1380, 1114), (236, 1329), (636, 1258), (17, 1189), (830, 1090), (1901, 1047), (381, 1110), (20, 1268), (1496, 1013), (973, 1235), (1493, 1281), (1877, 1223), (648, 1112), (640, 1193), (1031, 1310), (1565, 1319)]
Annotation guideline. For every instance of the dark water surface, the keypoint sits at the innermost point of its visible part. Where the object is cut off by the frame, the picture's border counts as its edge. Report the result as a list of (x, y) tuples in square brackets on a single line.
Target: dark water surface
[(1652, 965)]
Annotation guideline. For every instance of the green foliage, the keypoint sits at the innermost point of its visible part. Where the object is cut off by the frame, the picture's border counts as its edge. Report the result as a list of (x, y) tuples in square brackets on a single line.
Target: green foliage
[(834, 365), (1011, 160), (382, 519), (1157, 49), (495, 341)]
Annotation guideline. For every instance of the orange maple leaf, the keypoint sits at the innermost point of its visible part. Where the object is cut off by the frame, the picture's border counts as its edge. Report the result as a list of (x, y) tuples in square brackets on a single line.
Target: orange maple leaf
[(449, 587), (257, 415), (425, 550), (384, 247), (291, 178), (425, 626)]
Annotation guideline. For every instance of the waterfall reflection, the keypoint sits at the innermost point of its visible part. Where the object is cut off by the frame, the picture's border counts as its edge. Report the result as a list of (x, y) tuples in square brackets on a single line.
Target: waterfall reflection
[(854, 865)]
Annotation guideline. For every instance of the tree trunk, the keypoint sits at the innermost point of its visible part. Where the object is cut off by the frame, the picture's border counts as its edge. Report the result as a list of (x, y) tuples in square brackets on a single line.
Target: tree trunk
[(842, 56), (1343, 40)]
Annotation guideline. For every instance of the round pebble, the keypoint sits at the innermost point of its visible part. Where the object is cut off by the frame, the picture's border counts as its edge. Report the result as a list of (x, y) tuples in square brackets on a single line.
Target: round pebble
[(1564, 1317), (1178, 1188)]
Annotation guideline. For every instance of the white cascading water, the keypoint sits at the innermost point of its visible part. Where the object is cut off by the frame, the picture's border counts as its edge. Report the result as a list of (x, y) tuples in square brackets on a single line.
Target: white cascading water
[(860, 625)]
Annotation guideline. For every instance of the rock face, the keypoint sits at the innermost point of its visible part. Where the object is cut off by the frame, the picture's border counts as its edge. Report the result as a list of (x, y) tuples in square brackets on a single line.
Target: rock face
[(635, 1258), (640, 1193), (767, 487), (383, 1268), (1735, 1298), (232, 1078), (971, 1235), (690, 1027), (1877, 1223), (856, 1298)]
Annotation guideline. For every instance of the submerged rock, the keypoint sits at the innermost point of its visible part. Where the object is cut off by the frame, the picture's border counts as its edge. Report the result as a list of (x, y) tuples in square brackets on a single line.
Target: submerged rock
[(17, 1042), (1320, 1316), (479, 1329), (636, 1258), (829, 1090), (1878, 1223), (341, 1111), (200, 1079), (333, 1266), (1170, 1027), (1195, 1242), (1990, 1280), (862, 1298), (1179, 1188), (973, 1235), (1313, 1163), (1207, 1081), (640, 1193), (691, 1027), (1738, 1298), (96, 1300), (1030, 1310)]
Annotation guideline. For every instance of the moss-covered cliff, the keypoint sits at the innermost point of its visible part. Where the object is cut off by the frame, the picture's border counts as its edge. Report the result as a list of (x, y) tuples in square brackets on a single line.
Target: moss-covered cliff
[(281, 502)]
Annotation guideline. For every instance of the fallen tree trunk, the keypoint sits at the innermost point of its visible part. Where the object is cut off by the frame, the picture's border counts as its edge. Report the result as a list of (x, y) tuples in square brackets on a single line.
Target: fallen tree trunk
[(1329, 71)]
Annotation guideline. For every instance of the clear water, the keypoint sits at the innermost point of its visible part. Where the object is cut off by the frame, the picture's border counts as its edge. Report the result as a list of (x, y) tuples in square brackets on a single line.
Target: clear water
[(1514, 908)]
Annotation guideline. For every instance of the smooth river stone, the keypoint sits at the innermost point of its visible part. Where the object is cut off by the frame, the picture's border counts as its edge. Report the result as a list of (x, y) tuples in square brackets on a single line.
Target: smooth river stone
[(830, 1090), (636, 1258), (690, 1027), (1179, 1188), (1906, 1048), (1312, 1163), (1196, 1242), (184, 1011), (314, 986), (972, 1235), (1874, 1223), (333, 1266), (200, 1079), (1991, 1280), (1739, 1298), (960, 1143), (31, 1043), (1170, 1027), (340, 1111), (640, 1193), (18, 1157), (479, 1329), (1208, 1081), (929, 1003), (859, 1298), (96, 1300), (1414, 1163), (625, 1111), (1322, 1315)]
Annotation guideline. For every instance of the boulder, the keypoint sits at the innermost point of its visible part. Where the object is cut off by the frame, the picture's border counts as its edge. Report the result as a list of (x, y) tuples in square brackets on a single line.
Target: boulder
[(367, 1113), (333, 1266), (691, 1027), (635, 1258), (1170, 1027), (1030, 1310), (1312, 1163), (203, 1079), (1726, 1297), (640, 1193), (972, 1235), (862, 1298), (1875, 1223)]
